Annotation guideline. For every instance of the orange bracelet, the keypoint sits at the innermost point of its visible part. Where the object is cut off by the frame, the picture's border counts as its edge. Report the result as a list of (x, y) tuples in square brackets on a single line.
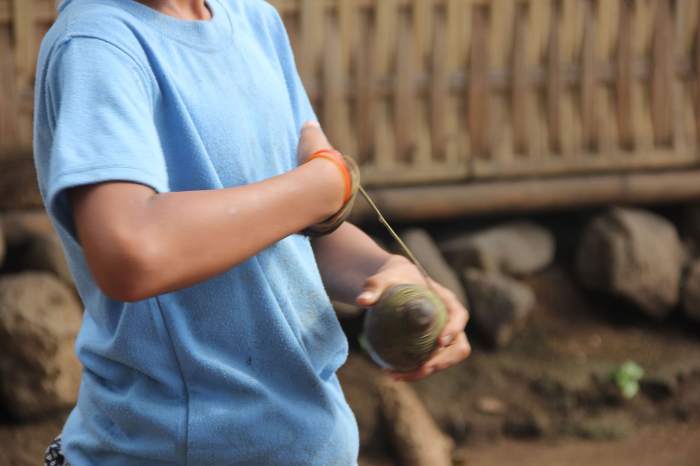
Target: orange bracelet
[(335, 157)]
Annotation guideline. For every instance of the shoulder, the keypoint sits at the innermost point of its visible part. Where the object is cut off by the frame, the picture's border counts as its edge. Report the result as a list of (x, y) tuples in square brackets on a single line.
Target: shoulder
[(101, 24)]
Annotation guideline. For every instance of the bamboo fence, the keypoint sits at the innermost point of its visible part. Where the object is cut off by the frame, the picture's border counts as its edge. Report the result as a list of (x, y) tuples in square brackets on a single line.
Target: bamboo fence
[(434, 91)]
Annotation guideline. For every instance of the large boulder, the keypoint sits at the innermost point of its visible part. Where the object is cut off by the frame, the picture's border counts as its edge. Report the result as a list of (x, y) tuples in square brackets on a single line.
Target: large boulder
[(633, 254), (517, 248), (691, 292), (499, 305), (417, 440), (429, 255), (33, 244), (39, 320)]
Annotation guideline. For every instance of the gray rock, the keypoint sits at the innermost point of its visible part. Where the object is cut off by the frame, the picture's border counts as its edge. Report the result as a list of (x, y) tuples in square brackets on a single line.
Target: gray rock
[(691, 292), (633, 254), (499, 305), (34, 245), (429, 255), (516, 248), (39, 320)]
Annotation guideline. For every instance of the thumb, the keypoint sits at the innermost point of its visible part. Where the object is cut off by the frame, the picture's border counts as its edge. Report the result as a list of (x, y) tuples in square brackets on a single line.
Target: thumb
[(370, 294)]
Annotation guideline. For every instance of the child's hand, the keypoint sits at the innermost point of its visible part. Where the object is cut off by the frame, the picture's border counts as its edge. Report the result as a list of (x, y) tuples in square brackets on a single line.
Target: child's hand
[(453, 346), (312, 139)]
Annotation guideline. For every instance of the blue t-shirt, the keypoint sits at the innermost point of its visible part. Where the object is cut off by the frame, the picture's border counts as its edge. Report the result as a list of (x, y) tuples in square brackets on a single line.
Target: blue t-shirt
[(241, 368)]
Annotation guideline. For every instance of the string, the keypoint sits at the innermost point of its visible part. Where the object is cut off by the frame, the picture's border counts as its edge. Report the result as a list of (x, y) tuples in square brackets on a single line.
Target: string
[(396, 237)]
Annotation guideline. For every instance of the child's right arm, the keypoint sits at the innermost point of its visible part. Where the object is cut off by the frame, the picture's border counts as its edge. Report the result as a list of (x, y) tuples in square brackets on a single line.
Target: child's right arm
[(139, 243)]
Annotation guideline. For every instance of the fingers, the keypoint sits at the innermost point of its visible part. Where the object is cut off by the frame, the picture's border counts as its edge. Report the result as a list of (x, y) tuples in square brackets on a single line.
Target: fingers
[(420, 373), (446, 357), (452, 346), (456, 352), (457, 315)]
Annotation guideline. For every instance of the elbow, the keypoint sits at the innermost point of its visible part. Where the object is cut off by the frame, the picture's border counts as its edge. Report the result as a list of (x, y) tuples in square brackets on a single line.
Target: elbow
[(125, 291), (127, 269)]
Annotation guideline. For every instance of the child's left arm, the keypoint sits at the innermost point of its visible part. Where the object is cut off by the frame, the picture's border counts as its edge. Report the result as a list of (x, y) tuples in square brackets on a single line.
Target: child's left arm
[(356, 270)]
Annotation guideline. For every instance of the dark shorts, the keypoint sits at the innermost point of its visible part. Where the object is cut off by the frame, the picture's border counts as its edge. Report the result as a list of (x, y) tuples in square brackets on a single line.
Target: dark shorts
[(53, 455)]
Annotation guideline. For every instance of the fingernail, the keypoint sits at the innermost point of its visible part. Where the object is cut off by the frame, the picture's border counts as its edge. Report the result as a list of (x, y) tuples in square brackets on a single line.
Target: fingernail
[(444, 341), (366, 296)]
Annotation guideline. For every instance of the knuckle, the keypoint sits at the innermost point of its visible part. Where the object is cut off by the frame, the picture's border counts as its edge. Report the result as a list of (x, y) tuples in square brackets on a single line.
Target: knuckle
[(373, 281)]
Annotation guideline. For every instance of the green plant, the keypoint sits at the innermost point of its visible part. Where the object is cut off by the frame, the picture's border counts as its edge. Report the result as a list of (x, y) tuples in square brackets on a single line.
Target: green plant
[(626, 377)]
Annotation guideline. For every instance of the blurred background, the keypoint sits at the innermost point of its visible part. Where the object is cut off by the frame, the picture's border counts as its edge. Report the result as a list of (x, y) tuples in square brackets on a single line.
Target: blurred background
[(540, 157)]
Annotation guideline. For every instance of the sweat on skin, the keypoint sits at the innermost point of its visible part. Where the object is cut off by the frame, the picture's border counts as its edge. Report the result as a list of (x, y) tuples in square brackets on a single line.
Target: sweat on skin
[(229, 354)]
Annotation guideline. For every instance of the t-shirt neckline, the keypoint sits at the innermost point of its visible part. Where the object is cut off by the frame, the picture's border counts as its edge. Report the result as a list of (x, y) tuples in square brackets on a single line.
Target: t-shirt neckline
[(203, 34)]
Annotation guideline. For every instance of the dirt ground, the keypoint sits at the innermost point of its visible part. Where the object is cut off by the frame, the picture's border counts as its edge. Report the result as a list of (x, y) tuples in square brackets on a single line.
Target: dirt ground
[(24, 445), (665, 445), (672, 444)]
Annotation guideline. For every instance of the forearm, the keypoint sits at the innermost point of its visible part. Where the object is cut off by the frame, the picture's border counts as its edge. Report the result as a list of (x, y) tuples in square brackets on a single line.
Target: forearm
[(168, 241), (346, 258)]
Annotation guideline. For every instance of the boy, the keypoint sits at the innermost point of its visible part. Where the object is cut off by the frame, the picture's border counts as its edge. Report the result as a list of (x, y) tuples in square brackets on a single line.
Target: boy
[(168, 154)]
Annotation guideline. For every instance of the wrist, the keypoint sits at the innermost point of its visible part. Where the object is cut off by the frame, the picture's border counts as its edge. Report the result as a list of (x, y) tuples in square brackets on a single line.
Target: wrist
[(329, 195), (341, 163)]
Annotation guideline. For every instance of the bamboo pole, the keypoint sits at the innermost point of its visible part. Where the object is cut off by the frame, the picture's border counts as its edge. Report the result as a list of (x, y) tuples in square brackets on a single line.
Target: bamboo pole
[(412, 204)]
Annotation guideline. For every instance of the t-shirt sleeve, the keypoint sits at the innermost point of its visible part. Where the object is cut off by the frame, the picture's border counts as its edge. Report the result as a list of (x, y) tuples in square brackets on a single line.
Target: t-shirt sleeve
[(100, 104), (303, 111)]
